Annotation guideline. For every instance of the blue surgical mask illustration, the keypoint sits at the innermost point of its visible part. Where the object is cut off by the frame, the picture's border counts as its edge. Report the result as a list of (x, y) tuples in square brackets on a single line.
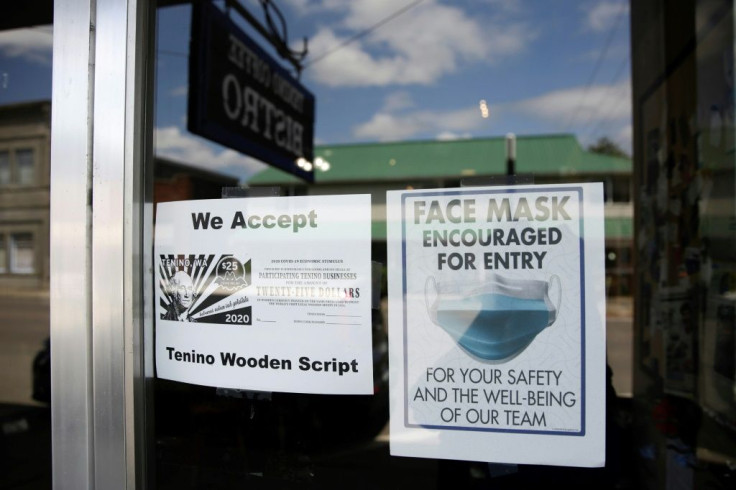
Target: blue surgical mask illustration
[(496, 320)]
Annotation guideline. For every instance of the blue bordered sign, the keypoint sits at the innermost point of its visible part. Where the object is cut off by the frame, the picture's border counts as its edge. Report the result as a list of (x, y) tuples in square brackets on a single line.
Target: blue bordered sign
[(497, 315)]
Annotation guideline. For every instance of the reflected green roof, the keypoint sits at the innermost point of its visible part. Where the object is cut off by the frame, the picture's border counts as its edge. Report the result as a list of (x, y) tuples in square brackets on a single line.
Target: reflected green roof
[(380, 162), (621, 227)]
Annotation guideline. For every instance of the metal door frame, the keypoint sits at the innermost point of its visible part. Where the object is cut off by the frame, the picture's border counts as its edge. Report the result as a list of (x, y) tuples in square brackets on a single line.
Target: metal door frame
[(100, 224)]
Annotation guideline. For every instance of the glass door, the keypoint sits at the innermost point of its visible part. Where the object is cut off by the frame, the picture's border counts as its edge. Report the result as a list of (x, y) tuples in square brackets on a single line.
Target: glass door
[(317, 102)]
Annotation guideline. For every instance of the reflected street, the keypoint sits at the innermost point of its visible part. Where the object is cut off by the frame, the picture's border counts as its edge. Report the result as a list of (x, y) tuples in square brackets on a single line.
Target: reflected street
[(24, 325)]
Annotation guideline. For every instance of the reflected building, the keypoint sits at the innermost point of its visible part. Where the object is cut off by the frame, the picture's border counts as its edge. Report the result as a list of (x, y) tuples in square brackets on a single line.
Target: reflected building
[(176, 181), (374, 168), (25, 139)]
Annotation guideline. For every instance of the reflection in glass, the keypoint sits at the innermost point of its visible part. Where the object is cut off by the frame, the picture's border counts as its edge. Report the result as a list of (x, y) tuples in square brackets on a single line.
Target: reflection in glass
[(24, 166), (21, 253), (25, 122), (4, 167), (3, 254)]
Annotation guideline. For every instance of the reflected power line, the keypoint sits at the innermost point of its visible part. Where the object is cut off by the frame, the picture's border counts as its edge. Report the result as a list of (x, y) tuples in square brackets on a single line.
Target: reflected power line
[(363, 33)]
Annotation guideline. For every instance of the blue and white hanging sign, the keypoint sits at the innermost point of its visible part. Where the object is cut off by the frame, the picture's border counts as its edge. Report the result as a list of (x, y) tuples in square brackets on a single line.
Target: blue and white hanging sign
[(240, 97), (497, 324)]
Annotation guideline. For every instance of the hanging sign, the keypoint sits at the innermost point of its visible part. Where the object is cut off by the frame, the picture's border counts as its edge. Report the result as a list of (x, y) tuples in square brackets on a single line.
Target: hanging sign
[(497, 324), (269, 294), (241, 98)]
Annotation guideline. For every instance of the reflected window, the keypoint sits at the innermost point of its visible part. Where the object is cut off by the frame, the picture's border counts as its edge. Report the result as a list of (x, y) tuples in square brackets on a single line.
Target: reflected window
[(4, 167), (3, 254), (22, 253), (622, 190), (17, 166), (24, 166)]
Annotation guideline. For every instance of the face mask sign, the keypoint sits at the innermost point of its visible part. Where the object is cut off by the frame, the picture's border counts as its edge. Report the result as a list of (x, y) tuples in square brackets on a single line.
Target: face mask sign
[(496, 320), (497, 323)]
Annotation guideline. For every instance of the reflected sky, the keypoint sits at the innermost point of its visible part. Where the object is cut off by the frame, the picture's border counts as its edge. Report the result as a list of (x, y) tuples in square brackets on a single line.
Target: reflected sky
[(385, 70)]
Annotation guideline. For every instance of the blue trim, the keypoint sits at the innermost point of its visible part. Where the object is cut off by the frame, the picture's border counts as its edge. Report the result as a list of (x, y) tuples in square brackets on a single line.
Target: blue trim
[(582, 312), (513, 190), (403, 298)]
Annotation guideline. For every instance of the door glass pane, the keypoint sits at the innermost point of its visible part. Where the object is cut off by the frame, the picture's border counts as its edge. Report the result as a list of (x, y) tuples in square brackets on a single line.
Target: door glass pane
[(25, 168)]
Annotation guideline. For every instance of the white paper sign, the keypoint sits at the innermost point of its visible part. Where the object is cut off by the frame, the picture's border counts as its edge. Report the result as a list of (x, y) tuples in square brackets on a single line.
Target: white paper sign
[(497, 324), (268, 294)]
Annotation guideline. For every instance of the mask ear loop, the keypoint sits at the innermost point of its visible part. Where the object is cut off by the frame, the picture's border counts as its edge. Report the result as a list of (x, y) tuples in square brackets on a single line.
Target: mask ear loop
[(559, 292), (426, 294)]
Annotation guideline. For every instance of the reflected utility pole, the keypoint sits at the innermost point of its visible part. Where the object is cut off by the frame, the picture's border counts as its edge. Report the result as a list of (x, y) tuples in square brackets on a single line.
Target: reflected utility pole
[(510, 154)]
